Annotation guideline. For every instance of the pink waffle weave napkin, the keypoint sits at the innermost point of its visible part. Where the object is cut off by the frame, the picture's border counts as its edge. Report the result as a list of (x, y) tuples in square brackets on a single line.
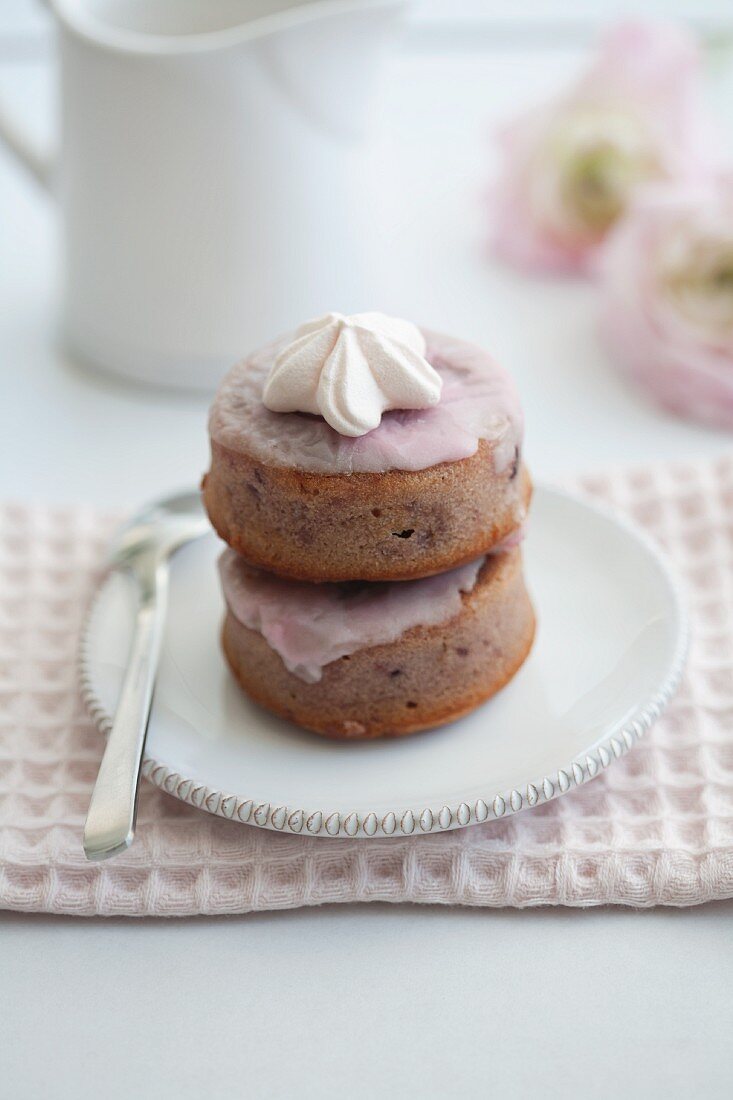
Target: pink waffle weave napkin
[(655, 829)]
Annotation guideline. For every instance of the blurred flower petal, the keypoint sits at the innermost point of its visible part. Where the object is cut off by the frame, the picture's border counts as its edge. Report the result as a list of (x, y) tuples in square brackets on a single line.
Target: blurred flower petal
[(569, 169), (667, 297)]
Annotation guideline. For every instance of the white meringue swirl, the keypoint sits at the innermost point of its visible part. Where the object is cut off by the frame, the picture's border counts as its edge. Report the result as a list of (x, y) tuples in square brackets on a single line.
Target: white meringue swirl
[(351, 369)]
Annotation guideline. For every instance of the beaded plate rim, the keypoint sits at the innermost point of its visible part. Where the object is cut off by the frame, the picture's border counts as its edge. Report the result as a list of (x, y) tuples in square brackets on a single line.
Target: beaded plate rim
[(408, 821)]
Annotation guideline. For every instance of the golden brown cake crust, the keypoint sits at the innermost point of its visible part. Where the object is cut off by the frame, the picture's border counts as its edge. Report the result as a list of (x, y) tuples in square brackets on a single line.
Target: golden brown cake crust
[(427, 677), (396, 525)]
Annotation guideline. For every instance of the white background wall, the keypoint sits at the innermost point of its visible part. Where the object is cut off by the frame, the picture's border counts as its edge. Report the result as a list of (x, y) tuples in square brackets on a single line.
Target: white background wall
[(24, 15)]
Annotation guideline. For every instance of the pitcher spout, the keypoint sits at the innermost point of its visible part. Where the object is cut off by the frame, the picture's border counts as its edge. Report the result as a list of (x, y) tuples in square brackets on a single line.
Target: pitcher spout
[(327, 66), (320, 55)]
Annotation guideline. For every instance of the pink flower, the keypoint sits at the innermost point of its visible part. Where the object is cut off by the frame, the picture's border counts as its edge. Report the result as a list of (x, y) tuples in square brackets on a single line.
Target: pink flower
[(568, 168), (667, 297)]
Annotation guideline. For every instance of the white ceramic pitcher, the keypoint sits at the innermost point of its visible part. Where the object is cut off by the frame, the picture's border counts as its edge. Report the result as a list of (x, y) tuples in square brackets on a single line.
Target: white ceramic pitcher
[(210, 174)]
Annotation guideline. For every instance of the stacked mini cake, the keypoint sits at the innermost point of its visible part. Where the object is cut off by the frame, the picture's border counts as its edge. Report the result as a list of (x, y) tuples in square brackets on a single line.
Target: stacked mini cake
[(368, 479)]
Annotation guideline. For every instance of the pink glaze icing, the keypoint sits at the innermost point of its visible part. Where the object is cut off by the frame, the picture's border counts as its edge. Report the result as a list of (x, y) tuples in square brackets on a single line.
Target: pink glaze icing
[(478, 401), (513, 539), (310, 625)]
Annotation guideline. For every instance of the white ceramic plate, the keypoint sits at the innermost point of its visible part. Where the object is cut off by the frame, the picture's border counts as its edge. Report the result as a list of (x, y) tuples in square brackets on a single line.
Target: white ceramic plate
[(609, 653)]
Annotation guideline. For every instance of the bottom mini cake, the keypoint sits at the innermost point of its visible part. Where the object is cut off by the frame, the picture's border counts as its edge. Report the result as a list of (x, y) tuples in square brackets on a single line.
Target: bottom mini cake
[(356, 661)]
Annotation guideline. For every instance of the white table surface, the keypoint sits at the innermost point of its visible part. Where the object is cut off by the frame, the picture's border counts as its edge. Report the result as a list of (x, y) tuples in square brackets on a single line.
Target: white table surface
[(375, 1000)]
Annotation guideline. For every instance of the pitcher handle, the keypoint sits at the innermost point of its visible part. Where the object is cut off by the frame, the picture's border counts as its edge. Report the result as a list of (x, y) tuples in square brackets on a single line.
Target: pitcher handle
[(37, 161)]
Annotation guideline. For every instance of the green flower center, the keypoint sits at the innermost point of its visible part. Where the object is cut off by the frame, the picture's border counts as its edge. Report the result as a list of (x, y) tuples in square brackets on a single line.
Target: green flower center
[(697, 276)]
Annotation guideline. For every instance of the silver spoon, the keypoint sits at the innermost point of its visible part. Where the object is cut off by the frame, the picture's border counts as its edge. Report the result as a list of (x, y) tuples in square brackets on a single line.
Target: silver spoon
[(142, 547)]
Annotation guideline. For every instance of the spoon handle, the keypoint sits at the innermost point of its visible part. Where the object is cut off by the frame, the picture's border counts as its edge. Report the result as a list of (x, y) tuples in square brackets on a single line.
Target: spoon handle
[(110, 823)]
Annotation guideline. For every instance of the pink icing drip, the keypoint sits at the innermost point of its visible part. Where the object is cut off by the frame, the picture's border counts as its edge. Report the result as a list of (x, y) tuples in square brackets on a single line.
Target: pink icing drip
[(513, 539), (310, 625), (478, 401)]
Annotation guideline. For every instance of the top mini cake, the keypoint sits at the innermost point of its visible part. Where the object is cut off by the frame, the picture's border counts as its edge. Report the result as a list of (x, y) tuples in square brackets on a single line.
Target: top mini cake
[(363, 448)]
